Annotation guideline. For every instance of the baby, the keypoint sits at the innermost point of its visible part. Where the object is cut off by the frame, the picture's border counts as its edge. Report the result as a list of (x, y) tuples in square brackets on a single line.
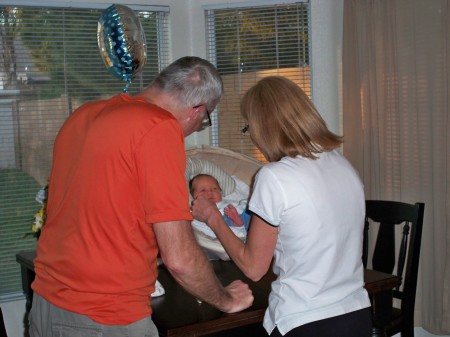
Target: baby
[(207, 186)]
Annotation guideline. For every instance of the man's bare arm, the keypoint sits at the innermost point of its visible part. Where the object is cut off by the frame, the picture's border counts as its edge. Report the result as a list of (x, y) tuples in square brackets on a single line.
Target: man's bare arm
[(190, 267)]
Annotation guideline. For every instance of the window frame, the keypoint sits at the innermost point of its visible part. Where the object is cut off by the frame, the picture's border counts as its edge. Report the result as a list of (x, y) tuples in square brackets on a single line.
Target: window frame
[(211, 50)]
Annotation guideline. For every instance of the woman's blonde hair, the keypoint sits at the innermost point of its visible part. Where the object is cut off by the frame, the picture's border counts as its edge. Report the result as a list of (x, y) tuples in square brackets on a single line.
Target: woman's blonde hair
[(284, 122)]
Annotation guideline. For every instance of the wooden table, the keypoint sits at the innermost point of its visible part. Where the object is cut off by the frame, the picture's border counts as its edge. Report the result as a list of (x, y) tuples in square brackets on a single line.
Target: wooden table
[(25, 259), (177, 313)]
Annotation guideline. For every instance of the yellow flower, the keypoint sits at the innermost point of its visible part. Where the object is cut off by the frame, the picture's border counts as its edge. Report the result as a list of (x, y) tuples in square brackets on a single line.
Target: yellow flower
[(41, 215), (39, 219)]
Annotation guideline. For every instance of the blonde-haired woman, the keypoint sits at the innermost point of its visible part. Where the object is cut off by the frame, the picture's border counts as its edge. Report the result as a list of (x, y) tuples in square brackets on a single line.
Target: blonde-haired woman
[(308, 215)]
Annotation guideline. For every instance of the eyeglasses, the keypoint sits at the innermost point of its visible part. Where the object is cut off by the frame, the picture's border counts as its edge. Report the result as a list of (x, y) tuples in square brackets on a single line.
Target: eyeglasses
[(209, 118), (205, 123), (245, 129)]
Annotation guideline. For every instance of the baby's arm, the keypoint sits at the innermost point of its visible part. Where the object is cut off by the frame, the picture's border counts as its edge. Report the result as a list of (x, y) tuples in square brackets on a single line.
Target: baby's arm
[(231, 212)]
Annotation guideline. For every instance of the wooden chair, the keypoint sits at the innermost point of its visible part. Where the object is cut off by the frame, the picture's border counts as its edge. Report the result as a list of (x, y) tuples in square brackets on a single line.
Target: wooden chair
[(390, 215)]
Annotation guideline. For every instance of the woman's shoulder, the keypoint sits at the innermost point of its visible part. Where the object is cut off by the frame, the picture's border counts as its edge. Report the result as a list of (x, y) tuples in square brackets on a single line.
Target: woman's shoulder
[(300, 166), (279, 168)]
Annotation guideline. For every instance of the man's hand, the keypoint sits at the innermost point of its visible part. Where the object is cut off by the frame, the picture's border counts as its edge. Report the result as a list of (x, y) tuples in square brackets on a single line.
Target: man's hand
[(241, 294)]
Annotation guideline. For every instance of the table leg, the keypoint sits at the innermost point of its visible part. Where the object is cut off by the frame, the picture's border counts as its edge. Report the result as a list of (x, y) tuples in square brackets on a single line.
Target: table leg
[(27, 278)]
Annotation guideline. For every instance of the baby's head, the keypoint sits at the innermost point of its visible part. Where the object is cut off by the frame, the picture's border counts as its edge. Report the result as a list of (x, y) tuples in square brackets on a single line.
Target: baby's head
[(207, 186)]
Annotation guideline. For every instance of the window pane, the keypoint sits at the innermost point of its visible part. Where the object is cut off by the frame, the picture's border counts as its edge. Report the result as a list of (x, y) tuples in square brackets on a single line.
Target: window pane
[(247, 44), (49, 65)]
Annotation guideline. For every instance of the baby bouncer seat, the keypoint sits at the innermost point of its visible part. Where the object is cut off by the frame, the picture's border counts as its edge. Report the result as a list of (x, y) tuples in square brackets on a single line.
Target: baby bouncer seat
[(235, 173)]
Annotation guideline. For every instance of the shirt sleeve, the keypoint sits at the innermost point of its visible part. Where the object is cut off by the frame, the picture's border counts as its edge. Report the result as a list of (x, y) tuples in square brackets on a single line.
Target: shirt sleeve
[(163, 162), (268, 197)]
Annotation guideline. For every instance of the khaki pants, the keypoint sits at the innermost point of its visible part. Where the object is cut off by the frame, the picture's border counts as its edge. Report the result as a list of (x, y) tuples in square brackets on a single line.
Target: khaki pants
[(48, 320)]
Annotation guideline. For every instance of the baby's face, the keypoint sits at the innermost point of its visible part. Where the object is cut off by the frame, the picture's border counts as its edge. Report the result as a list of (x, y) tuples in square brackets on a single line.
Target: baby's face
[(208, 188)]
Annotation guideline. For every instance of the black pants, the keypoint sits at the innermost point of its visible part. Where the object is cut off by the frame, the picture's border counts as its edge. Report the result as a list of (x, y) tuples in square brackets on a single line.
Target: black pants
[(354, 324)]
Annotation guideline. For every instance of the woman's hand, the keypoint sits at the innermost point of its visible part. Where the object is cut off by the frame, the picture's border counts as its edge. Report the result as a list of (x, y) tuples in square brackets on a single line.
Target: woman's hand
[(204, 210)]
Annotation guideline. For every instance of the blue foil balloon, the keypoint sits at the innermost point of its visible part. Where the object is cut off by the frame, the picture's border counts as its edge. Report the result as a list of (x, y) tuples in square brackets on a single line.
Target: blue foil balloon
[(121, 42)]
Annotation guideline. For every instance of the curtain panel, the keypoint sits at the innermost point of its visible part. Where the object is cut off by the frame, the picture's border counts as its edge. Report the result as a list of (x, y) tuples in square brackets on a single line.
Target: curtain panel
[(396, 73)]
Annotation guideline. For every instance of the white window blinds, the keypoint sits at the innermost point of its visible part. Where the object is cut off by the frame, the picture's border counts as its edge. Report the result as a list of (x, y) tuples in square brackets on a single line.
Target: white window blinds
[(49, 65), (246, 44)]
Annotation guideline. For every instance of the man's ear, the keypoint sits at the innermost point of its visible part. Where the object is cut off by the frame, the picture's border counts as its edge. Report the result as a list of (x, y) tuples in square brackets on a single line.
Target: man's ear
[(195, 111), (189, 114)]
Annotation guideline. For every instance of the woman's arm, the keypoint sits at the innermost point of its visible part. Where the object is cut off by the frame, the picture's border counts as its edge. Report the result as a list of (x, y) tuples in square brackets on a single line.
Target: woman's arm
[(254, 256)]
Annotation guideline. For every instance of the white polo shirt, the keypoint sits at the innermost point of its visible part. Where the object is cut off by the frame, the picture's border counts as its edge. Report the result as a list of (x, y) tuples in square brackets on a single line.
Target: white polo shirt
[(318, 207)]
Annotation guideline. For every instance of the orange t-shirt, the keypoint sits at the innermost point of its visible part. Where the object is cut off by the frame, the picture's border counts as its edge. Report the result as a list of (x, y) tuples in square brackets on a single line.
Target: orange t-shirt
[(118, 168)]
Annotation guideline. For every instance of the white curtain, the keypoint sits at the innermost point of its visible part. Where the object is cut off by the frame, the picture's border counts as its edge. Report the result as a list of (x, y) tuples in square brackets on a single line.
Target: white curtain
[(396, 80)]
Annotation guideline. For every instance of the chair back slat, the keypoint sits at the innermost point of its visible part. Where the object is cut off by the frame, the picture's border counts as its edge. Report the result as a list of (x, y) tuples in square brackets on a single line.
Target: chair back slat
[(384, 253)]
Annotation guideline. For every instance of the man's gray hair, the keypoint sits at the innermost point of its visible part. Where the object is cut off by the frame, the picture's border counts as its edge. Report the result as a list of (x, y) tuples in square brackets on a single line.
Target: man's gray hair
[(191, 81)]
